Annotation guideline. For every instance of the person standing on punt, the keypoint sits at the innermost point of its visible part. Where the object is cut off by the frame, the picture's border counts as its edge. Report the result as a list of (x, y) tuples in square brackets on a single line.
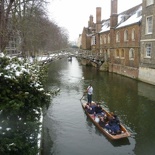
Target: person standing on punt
[(89, 93)]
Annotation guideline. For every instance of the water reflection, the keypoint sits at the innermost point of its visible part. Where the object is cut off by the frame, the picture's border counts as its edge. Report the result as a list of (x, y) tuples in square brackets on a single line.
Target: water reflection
[(146, 90)]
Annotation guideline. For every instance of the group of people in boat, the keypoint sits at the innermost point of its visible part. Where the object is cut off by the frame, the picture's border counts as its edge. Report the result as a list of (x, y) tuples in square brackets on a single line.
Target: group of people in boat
[(111, 122)]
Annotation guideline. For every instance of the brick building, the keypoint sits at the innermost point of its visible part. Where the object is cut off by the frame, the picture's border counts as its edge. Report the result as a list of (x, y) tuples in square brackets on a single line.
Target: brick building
[(126, 41), (89, 32), (118, 39)]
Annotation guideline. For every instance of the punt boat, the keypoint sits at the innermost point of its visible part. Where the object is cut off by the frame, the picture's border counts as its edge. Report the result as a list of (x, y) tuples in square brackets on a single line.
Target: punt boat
[(123, 133)]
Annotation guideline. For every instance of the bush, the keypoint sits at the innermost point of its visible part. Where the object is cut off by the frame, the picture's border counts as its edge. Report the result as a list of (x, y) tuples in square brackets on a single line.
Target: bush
[(22, 99)]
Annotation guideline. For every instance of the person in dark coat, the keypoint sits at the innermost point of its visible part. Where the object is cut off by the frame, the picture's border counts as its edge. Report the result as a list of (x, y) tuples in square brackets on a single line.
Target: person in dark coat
[(102, 121), (113, 126), (98, 109)]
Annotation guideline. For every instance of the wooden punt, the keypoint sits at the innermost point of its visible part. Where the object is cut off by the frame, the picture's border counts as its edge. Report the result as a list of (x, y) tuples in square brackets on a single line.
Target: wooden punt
[(124, 133)]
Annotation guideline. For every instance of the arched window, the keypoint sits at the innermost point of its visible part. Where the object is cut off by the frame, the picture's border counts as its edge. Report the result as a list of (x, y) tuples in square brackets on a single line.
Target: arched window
[(108, 53), (122, 53), (126, 35), (105, 39), (131, 54), (105, 55), (101, 40), (133, 34), (118, 37), (109, 38), (117, 53)]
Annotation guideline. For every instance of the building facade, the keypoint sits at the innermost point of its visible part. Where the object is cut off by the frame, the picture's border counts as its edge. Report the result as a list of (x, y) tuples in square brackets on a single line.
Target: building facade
[(123, 40), (147, 42), (126, 41)]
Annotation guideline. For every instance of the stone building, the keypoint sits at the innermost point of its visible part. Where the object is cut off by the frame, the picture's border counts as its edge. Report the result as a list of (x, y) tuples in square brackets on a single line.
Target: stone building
[(147, 53)]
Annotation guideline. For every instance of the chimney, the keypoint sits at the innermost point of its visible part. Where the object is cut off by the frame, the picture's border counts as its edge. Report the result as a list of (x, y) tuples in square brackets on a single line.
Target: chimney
[(90, 22), (114, 15), (98, 19)]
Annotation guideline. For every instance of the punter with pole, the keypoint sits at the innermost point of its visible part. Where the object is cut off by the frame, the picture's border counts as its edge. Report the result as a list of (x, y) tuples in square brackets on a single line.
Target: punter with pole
[(89, 93)]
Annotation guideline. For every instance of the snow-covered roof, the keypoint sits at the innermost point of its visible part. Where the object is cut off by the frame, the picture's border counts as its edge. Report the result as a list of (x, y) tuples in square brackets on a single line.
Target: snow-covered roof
[(131, 19), (125, 18), (105, 26)]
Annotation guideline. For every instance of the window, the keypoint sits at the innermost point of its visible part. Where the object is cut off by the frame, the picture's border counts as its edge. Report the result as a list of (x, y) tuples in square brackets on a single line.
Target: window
[(133, 34), (148, 48), (109, 38), (105, 39), (108, 53), (131, 54), (126, 35), (101, 40), (117, 53), (93, 40), (118, 37), (149, 2), (122, 53), (149, 25)]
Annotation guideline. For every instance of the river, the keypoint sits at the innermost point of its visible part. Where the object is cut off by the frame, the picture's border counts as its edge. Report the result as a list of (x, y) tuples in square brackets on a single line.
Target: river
[(68, 131)]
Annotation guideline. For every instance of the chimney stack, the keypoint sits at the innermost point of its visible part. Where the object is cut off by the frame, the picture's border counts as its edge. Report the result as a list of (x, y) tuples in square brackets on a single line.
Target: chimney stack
[(98, 19), (114, 15)]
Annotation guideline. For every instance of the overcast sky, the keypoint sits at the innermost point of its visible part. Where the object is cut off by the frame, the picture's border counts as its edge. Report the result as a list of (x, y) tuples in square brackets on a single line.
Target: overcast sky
[(74, 14)]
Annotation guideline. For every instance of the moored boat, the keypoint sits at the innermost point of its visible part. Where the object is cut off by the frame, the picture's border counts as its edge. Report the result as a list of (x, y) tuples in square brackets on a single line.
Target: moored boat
[(123, 131)]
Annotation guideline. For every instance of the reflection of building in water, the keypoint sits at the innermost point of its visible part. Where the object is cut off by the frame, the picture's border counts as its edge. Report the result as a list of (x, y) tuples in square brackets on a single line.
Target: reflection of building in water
[(146, 90)]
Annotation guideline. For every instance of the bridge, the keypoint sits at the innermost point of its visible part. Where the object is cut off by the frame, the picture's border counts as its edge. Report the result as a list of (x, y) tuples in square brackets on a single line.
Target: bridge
[(87, 57)]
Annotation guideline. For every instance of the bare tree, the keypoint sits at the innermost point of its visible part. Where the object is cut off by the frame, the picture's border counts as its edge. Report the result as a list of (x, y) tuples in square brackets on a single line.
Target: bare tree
[(27, 20), (5, 9)]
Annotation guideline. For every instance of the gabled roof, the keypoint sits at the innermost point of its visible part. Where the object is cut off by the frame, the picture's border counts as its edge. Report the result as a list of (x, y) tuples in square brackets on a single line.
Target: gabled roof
[(128, 17)]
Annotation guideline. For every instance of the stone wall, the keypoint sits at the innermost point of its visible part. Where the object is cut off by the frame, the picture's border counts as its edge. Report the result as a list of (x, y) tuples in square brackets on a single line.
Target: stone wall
[(147, 75), (131, 72)]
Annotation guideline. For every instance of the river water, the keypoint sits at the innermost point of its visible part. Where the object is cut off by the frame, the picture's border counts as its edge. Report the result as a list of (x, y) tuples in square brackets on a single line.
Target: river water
[(68, 131)]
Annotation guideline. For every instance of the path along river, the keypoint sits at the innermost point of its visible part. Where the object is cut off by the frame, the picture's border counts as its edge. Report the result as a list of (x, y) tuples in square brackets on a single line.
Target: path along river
[(68, 131)]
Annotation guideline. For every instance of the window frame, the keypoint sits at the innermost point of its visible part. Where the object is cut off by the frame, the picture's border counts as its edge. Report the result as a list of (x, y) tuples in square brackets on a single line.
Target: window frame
[(133, 34), (126, 35), (117, 54), (149, 25), (105, 39), (117, 36), (148, 50), (109, 38), (131, 54), (101, 40), (93, 40), (122, 54)]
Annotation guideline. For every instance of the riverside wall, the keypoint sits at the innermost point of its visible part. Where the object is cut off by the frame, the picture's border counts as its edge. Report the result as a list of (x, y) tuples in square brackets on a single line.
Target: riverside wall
[(146, 75)]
